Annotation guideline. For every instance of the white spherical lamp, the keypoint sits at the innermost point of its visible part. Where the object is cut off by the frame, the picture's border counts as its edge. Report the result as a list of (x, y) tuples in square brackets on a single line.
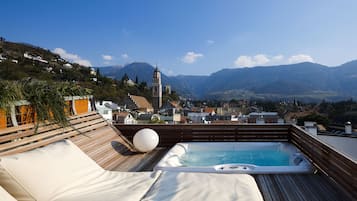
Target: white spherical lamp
[(146, 140)]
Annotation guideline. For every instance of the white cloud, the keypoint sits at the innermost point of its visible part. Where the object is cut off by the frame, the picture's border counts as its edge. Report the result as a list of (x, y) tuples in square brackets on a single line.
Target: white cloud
[(210, 42), (83, 62), (300, 58), (261, 59), (264, 60), (191, 57), (64, 54), (244, 61), (125, 56), (168, 72), (107, 57), (71, 57), (277, 58), (248, 61)]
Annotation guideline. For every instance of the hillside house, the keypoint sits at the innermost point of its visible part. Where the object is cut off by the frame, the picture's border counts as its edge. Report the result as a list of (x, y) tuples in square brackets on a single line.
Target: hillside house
[(170, 106), (146, 118), (263, 117), (93, 71), (68, 65), (2, 57), (129, 82), (210, 110), (123, 118), (34, 58), (228, 110), (197, 117), (106, 108)]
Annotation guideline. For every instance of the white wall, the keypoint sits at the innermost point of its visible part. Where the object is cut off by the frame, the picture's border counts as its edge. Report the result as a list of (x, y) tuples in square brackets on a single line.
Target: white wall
[(197, 117), (106, 113)]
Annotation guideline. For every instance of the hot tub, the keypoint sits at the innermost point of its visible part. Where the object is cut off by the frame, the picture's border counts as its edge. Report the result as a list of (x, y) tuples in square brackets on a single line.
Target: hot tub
[(235, 157)]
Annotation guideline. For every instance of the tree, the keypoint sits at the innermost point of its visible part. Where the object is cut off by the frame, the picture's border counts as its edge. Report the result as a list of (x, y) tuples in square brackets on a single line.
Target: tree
[(125, 78), (142, 85), (313, 117)]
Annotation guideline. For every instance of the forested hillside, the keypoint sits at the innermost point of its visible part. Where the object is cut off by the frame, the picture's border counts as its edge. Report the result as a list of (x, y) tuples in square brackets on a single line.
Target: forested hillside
[(23, 61)]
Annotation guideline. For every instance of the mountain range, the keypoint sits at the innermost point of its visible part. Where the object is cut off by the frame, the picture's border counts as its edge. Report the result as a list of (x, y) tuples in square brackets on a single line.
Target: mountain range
[(304, 81)]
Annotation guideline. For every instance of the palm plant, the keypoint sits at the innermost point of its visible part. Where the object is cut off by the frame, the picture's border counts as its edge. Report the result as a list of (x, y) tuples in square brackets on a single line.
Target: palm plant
[(70, 89), (46, 100), (9, 93)]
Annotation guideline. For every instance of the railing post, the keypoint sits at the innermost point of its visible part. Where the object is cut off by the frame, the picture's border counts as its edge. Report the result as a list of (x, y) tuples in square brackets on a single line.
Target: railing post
[(13, 115)]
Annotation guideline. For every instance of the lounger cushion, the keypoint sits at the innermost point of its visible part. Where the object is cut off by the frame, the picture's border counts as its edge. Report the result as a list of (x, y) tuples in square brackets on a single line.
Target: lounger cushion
[(180, 186), (13, 187), (5, 196), (110, 186), (61, 171)]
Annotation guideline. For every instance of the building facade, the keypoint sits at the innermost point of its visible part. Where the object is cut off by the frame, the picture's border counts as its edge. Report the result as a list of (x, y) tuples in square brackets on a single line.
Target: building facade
[(104, 109), (123, 118), (263, 117)]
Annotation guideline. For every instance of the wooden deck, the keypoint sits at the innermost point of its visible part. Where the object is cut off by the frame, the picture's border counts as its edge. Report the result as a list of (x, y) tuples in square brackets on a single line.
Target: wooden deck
[(274, 187), (136, 162), (299, 187), (112, 150)]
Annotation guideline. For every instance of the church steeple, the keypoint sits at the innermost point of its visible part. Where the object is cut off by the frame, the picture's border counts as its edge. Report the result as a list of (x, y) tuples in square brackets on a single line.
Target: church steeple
[(156, 90)]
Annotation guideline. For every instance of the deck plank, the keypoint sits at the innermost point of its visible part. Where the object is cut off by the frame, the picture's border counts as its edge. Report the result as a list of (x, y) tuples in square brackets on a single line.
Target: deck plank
[(136, 162), (299, 187)]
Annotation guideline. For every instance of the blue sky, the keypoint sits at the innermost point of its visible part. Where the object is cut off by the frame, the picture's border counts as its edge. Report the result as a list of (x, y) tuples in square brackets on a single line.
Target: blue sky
[(187, 37)]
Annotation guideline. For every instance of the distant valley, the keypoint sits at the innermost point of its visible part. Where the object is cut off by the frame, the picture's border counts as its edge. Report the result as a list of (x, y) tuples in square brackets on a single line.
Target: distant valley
[(303, 81)]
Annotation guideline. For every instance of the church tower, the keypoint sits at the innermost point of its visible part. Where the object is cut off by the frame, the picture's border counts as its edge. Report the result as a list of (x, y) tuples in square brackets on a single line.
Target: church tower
[(156, 90)]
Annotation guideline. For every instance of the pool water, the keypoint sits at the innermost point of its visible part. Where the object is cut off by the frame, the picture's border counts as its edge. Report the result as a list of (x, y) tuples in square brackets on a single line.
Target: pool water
[(235, 158), (257, 157)]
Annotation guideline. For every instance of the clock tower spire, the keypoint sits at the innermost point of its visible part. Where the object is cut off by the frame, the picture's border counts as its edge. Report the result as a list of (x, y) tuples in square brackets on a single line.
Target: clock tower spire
[(156, 90)]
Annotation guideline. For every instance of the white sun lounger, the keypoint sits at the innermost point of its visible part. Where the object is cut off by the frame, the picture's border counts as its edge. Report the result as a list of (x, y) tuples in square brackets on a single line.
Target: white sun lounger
[(61, 172), (5, 196)]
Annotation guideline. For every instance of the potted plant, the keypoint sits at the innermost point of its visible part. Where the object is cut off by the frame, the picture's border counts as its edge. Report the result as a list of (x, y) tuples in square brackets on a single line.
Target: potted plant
[(46, 99)]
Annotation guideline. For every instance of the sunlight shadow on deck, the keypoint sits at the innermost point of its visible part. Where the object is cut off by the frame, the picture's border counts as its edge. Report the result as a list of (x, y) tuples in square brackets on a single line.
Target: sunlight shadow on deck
[(122, 149)]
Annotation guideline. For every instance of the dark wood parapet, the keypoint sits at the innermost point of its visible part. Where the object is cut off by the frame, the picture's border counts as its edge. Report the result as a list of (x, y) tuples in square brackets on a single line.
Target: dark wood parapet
[(336, 165), (172, 134)]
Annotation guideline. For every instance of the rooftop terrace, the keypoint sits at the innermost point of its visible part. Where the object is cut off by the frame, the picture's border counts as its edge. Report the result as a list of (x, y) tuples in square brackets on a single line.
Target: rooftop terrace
[(334, 178)]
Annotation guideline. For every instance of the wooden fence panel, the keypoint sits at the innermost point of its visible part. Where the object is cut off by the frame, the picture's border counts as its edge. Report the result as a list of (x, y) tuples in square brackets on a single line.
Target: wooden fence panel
[(172, 134), (334, 164)]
